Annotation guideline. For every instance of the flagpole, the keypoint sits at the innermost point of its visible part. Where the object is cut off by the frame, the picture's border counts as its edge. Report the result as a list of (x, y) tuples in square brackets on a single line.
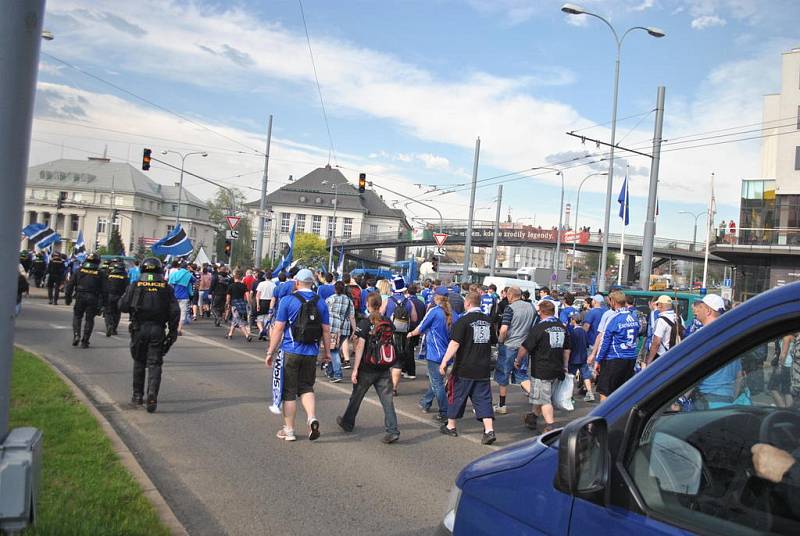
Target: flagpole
[(709, 223), (622, 237)]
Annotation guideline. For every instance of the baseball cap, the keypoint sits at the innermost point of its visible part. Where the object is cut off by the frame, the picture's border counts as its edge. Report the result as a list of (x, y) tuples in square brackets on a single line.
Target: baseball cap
[(441, 291), (305, 275), (598, 298), (399, 284), (664, 299), (715, 302)]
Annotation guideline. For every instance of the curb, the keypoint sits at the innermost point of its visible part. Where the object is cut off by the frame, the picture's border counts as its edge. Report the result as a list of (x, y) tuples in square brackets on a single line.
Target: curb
[(127, 458)]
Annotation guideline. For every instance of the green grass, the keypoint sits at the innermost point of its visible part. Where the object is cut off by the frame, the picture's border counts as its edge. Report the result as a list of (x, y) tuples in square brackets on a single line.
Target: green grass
[(85, 489)]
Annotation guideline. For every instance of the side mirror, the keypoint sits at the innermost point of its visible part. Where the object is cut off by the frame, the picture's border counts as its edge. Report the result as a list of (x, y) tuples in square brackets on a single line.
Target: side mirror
[(583, 456)]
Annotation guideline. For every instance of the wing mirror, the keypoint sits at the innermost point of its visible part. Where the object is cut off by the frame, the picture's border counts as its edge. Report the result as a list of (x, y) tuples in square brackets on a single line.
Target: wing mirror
[(583, 458)]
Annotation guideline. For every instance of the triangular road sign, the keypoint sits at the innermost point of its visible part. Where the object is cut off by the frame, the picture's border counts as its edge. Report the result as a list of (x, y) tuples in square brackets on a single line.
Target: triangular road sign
[(233, 221), (440, 238)]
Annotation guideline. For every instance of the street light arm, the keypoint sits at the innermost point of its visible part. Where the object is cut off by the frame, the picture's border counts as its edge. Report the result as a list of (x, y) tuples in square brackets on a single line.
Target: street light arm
[(613, 31)]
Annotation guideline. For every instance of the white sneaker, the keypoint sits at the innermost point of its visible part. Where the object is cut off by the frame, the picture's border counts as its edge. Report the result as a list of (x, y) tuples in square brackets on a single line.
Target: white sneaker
[(286, 435), (589, 397), (501, 410)]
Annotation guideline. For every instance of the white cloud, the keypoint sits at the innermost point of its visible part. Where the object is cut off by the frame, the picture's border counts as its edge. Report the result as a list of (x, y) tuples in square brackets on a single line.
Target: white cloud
[(432, 161), (707, 21), (644, 6)]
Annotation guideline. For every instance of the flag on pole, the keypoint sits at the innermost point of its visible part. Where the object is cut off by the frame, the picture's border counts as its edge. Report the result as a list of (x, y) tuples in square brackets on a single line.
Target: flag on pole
[(624, 202), (340, 268), (176, 244), (286, 261), (41, 235)]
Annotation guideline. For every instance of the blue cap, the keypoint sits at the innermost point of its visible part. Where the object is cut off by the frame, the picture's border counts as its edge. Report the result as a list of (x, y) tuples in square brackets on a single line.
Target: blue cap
[(305, 275), (441, 291)]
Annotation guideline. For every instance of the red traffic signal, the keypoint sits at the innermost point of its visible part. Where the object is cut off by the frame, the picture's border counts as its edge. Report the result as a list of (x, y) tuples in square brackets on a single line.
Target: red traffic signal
[(146, 159), (362, 182)]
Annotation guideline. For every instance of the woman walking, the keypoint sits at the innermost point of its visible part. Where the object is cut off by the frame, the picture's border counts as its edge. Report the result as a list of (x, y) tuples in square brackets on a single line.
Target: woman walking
[(237, 303), (343, 323)]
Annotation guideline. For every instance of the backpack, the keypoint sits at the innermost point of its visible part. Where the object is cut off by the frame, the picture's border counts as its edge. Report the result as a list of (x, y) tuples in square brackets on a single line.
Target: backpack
[(676, 331), (400, 317), (307, 328), (354, 291), (380, 351)]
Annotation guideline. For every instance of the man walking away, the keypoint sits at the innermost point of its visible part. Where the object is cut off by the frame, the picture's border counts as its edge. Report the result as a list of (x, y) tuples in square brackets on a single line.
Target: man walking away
[(181, 281), (114, 285), (579, 350), (38, 269), (264, 292), (548, 345), (300, 324), (219, 294), (514, 328), (86, 286), (616, 356), (668, 329), (134, 273), (399, 309), (153, 307), (470, 345), (56, 271), (419, 306), (326, 290), (372, 332), (204, 288)]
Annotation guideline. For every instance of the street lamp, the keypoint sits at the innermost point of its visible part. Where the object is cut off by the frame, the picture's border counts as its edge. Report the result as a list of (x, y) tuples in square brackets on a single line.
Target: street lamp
[(180, 184), (559, 172), (572, 9), (335, 188), (575, 230), (694, 238)]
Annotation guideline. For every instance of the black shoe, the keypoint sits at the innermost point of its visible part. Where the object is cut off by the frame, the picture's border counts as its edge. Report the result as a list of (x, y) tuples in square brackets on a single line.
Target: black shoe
[(313, 430), (530, 420), (152, 404), (440, 418), (549, 428), (108, 333), (343, 426), (84, 344), (76, 340), (488, 438), (390, 438), (249, 338), (452, 432), (50, 302), (137, 400)]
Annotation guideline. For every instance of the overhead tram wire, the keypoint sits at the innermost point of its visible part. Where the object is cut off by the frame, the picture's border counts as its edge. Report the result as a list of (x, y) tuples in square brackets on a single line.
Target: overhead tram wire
[(148, 101), (596, 125), (331, 150)]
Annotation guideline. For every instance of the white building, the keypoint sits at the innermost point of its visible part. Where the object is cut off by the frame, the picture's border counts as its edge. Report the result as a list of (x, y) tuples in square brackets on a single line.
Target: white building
[(75, 195), (780, 148), (309, 203)]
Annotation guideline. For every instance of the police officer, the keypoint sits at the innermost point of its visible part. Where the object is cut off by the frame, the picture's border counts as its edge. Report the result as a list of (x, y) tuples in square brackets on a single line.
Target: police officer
[(152, 306), (219, 292), (38, 269), (25, 260), (56, 271), (86, 286), (115, 282)]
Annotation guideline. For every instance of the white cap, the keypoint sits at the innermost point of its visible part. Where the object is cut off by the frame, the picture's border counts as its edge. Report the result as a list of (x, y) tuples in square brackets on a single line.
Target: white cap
[(715, 302)]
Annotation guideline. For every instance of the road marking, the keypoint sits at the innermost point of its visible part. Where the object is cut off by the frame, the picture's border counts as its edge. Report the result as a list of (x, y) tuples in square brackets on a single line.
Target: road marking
[(59, 326)]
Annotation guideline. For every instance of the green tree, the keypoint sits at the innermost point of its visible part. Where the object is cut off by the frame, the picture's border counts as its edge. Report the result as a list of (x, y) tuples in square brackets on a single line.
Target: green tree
[(310, 250), (141, 250), (115, 246), (223, 205)]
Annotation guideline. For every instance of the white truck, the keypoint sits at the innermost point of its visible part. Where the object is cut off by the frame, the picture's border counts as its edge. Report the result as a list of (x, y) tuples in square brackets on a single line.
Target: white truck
[(542, 276)]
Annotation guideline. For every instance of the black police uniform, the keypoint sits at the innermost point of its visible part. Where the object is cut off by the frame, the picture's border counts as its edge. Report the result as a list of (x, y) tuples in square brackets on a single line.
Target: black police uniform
[(219, 293), (115, 282), (86, 286), (26, 261), (153, 307), (56, 271), (38, 269)]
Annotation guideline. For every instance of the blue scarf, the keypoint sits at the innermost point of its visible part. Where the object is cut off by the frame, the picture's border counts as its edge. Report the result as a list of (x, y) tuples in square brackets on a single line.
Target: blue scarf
[(277, 383)]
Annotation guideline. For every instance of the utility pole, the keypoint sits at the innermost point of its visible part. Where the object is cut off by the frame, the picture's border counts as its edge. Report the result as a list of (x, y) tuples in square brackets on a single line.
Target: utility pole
[(471, 217), (709, 227), (493, 262), (652, 197), (262, 207)]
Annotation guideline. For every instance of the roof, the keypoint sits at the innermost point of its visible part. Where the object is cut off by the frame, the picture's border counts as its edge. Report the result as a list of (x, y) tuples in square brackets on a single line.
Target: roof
[(105, 176), (309, 191)]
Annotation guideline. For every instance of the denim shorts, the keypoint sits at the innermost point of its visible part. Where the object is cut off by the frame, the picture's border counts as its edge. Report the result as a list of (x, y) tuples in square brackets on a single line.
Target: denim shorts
[(505, 372), (583, 368), (541, 392)]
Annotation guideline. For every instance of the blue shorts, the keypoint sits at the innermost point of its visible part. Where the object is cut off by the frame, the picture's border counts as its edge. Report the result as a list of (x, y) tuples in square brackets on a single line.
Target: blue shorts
[(584, 368), (505, 372), (478, 391)]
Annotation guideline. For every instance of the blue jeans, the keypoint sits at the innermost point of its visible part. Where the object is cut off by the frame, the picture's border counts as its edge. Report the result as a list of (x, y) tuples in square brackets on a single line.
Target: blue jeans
[(334, 370), (435, 389)]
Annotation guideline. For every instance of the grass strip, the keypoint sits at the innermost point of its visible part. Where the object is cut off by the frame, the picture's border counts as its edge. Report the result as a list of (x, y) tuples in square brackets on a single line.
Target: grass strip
[(85, 489)]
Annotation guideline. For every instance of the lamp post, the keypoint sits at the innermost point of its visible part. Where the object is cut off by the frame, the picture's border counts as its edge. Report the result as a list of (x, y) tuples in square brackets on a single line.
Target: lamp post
[(180, 184), (559, 172), (694, 239), (572, 9), (575, 230), (335, 188)]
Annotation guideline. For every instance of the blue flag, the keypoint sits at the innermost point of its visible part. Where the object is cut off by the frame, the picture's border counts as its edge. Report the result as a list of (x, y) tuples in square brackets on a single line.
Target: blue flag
[(624, 202), (41, 235), (176, 243), (340, 268), (286, 261)]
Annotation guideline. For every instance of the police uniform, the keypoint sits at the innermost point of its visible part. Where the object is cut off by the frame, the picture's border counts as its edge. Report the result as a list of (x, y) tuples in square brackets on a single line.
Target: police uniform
[(86, 287), (38, 269), (115, 282), (219, 293), (56, 271), (153, 307)]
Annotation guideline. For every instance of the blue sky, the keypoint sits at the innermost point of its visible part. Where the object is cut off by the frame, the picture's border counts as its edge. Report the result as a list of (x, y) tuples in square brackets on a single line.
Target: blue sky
[(408, 86)]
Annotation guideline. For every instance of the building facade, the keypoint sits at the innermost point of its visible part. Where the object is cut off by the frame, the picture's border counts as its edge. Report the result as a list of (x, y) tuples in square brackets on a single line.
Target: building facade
[(324, 203), (96, 195)]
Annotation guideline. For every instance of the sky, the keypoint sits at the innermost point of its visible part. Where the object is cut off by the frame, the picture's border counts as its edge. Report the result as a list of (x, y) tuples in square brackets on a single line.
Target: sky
[(409, 85)]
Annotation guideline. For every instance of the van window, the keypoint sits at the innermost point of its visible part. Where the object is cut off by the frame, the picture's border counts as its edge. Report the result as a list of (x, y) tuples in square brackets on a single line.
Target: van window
[(723, 455)]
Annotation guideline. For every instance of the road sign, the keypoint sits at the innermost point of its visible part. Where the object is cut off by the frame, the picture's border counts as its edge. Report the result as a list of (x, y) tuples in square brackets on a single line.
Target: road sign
[(231, 235), (233, 221), (441, 252), (726, 283), (440, 238)]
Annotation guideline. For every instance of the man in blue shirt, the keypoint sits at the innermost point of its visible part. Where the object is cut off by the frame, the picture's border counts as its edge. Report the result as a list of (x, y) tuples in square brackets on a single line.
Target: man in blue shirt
[(567, 312), (488, 301), (134, 274), (299, 359), (326, 290), (370, 288), (617, 354), (182, 282), (405, 362)]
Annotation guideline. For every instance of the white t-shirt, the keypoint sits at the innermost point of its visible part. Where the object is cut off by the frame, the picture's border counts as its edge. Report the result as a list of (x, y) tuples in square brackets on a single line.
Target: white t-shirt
[(663, 329), (265, 290)]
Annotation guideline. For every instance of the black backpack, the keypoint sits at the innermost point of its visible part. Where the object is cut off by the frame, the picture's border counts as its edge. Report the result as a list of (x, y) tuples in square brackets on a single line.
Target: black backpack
[(307, 328), (400, 317)]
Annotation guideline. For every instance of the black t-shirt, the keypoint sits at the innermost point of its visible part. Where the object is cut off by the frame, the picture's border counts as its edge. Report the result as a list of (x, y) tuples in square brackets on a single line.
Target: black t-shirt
[(473, 334), (545, 344), (237, 290), (363, 329)]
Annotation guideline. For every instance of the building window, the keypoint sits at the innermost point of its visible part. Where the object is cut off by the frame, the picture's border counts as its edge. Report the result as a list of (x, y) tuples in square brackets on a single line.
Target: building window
[(331, 226), (170, 228), (115, 223), (284, 222), (316, 224), (102, 224), (174, 208), (300, 222), (373, 230), (73, 223), (347, 232), (797, 158)]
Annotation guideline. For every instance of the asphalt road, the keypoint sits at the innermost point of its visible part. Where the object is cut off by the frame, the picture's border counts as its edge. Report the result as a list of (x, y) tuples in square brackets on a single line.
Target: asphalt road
[(212, 452)]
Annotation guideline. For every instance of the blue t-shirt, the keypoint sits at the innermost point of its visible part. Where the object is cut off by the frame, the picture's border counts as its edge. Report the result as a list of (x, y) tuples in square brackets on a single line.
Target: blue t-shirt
[(620, 337), (593, 319), (566, 313), (425, 295), (578, 346), (134, 274), (284, 289), (364, 293), (723, 382), (288, 310), (437, 336), (326, 291), (487, 304)]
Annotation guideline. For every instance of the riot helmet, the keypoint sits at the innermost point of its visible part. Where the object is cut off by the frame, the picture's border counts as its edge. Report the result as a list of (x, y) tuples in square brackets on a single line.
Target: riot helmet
[(150, 265)]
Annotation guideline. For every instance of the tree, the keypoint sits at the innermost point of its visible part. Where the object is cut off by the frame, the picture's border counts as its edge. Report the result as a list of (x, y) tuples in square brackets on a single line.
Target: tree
[(115, 246), (310, 250), (141, 250), (222, 205)]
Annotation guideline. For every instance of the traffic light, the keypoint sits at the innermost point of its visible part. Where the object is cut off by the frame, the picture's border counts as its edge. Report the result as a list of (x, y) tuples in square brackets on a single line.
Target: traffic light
[(227, 249), (146, 159), (435, 264), (362, 182)]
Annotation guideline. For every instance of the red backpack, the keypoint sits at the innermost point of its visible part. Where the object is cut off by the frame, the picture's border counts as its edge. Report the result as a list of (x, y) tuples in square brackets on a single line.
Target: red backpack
[(380, 351), (354, 291)]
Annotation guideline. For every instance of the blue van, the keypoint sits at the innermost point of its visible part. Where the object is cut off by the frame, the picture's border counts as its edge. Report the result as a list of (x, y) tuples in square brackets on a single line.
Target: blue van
[(670, 451)]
